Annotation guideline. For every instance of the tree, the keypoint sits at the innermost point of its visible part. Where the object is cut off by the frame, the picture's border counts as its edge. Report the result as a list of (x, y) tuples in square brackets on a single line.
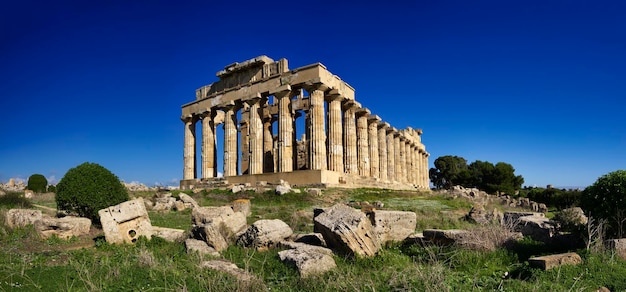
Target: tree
[(87, 188), (448, 171), (37, 183), (606, 199)]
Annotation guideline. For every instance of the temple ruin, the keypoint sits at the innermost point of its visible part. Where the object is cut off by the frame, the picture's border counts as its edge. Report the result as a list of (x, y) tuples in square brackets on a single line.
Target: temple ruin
[(259, 103)]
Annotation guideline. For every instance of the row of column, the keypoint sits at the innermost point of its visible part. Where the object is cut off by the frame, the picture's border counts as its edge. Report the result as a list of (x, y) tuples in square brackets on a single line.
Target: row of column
[(355, 141)]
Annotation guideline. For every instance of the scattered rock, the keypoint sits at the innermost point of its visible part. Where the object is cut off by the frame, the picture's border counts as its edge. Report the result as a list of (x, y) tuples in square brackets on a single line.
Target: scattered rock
[(479, 215), (309, 238), (618, 245), (233, 222), (555, 260), (125, 222), (199, 246), (347, 230), (309, 261), (315, 191), (179, 206), (29, 194), (242, 205), (445, 237), (169, 234), (538, 228), (22, 217), (393, 225), (283, 189), (263, 234), (237, 188), (573, 216), (188, 200), (64, 228)]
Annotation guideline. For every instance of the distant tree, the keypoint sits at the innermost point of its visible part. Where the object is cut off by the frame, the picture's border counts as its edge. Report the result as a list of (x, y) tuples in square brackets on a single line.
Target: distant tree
[(480, 174), (606, 199), (448, 171), (87, 188), (37, 183), (505, 180)]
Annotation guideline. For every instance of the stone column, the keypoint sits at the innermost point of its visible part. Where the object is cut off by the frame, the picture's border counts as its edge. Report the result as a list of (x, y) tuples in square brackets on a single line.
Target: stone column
[(415, 166), (382, 150), (398, 158), (230, 141), (285, 130), (401, 170), (244, 131), (349, 136), (317, 146), (189, 155), (363, 151), (391, 155), (425, 168), (256, 136), (335, 147), (208, 144), (408, 169), (268, 145), (373, 143)]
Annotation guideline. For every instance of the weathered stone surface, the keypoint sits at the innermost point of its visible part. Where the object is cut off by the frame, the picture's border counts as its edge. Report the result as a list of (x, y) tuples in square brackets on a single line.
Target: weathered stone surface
[(315, 191), (347, 230), (282, 189), (512, 218), (444, 237), (169, 234), (229, 268), (179, 206), (242, 205), (29, 194), (538, 228), (618, 245), (574, 215), (125, 222), (237, 188), (308, 261), (64, 228), (212, 235), (393, 225), (188, 200), (199, 246), (233, 222), (479, 215), (22, 217), (555, 260), (263, 234)]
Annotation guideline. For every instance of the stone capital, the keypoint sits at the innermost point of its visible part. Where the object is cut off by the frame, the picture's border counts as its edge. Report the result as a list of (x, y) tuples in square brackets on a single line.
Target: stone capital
[(281, 91), (349, 104), (315, 85), (373, 119), (363, 112), (383, 125), (188, 118), (254, 99)]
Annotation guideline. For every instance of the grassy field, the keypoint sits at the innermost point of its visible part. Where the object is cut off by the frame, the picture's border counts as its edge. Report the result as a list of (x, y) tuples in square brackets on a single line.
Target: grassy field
[(28, 263)]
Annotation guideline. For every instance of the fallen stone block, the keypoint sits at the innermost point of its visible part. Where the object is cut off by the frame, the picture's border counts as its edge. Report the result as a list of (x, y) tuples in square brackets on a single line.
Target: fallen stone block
[(555, 260), (309, 238), (392, 225), (212, 235), (64, 228), (169, 234), (22, 217), (264, 234), (347, 230), (188, 200), (229, 222), (536, 227), (199, 246), (242, 205), (308, 261), (125, 222), (445, 237)]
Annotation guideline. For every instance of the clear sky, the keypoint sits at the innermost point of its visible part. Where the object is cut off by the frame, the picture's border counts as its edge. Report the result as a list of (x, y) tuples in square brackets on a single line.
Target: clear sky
[(537, 84)]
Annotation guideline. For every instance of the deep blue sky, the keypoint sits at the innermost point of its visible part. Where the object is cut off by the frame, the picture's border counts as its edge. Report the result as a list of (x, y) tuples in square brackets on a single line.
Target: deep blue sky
[(537, 84)]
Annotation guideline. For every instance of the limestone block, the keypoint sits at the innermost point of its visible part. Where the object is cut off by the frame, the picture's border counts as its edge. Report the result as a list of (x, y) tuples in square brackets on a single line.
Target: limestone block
[(169, 234), (242, 205), (315, 191), (212, 235), (64, 228), (199, 246), (281, 190), (347, 230), (393, 225), (22, 217), (179, 206), (232, 222), (310, 238), (29, 194), (445, 237), (538, 228), (618, 245), (512, 218), (188, 200), (263, 234), (555, 260), (229, 268), (308, 261), (2, 193), (237, 188), (125, 222), (148, 204)]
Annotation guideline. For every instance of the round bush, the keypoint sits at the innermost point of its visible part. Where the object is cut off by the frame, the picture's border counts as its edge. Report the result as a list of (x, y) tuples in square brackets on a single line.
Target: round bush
[(37, 183), (87, 188), (606, 199)]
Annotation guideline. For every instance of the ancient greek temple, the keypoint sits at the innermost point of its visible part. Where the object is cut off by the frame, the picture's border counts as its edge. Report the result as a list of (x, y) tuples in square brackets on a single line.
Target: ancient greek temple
[(259, 103)]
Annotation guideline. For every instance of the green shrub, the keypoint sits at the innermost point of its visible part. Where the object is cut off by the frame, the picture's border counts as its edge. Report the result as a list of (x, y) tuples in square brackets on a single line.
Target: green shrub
[(14, 200), (52, 189), (606, 199), (37, 182), (87, 188)]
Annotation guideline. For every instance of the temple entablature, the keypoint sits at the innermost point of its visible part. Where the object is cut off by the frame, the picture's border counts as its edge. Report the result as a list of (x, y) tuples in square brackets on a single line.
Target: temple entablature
[(259, 102)]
